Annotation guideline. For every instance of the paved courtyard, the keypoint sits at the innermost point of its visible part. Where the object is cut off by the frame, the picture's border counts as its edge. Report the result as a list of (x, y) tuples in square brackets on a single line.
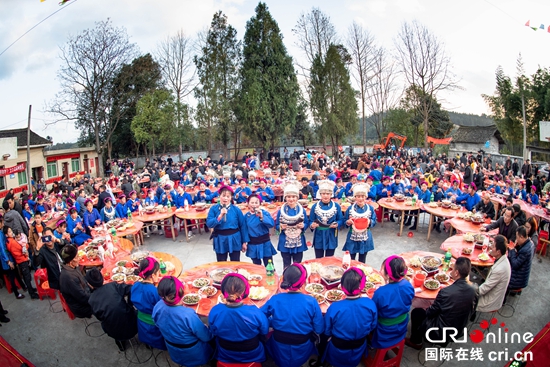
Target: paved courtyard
[(51, 339)]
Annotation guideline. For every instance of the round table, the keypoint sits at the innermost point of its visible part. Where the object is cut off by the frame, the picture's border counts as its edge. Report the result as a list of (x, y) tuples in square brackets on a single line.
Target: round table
[(337, 261), (392, 204), (205, 305), (134, 231), (156, 217), (439, 212), (191, 215), (423, 292), (123, 248), (456, 243), (464, 226)]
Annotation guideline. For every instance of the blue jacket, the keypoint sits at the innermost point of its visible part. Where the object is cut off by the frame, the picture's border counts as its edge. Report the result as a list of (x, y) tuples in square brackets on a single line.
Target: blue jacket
[(469, 201), (397, 188), (520, 262), (5, 255)]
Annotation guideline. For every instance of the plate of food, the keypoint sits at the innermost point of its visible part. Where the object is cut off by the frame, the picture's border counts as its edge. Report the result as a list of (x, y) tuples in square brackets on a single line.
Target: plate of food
[(138, 256), (254, 279), (483, 257), (433, 204), (170, 267), (191, 299), (315, 288), (366, 269), (258, 293), (335, 295), (432, 284), (455, 207), (118, 277), (430, 263), (221, 299), (208, 291), (218, 274), (244, 273), (119, 270), (368, 285), (468, 237), (132, 279), (331, 273), (201, 282), (92, 255), (319, 297), (98, 241), (466, 250), (375, 278), (442, 277), (121, 263), (271, 206), (415, 262)]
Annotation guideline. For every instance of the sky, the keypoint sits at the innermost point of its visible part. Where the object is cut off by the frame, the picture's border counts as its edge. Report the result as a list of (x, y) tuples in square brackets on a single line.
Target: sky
[(478, 36)]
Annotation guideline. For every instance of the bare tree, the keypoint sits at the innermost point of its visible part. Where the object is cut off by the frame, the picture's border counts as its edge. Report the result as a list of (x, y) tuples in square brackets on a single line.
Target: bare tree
[(89, 62), (175, 56), (382, 90), (363, 52), (425, 65)]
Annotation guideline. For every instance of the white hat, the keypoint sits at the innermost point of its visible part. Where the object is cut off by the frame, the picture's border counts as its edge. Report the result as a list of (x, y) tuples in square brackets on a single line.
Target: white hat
[(267, 171), (226, 175), (360, 189), (326, 185), (212, 173), (291, 188), (252, 173), (238, 173)]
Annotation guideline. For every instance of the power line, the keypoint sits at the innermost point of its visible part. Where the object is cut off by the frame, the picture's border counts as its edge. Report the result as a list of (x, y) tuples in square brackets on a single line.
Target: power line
[(36, 25)]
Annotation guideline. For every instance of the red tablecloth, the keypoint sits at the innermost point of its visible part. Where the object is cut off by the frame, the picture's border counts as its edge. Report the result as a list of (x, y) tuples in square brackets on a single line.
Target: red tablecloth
[(539, 348), (9, 357)]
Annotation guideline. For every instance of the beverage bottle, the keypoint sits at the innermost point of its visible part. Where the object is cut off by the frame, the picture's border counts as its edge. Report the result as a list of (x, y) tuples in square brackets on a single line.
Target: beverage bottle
[(447, 260), (432, 198), (343, 198), (169, 205), (162, 266), (186, 205), (346, 261), (270, 271), (309, 198), (129, 213), (414, 200)]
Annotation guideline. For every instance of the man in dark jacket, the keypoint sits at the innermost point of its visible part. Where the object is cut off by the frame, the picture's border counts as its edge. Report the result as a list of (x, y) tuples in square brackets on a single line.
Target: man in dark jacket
[(72, 284), (486, 206), (103, 194), (520, 260), (452, 308), (48, 257), (112, 306), (519, 215), (506, 225), (526, 170), (468, 176)]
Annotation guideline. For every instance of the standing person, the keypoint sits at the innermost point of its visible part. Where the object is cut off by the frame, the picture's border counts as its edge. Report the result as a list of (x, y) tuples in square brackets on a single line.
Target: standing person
[(49, 257), (144, 296), (393, 302), (295, 319), (112, 306), (325, 218), (348, 322), (8, 263), (20, 253), (187, 338), (359, 240), (526, 169), (258, 222), (521, 258), (238, 327), (291, 221), (230, 232)]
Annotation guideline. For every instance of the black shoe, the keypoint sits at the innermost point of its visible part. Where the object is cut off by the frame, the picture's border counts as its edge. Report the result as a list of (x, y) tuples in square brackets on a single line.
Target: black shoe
[(20, 296), (5, 312), (121, 345), (407, 223), (413, 227), (438, 228), (4, 319), (409, 343), (34, 296), (392, 219)]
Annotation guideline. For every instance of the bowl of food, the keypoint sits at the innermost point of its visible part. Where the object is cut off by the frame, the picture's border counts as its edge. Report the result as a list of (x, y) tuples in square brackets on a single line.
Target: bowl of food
[(479, 238), (319, 297), (149, 209), (138, 256), (208, 291), (271, 206), (118, 277), (439, 203), (399, 197), (331, 273), (466, 250), (119, 270), (468, 237), (200, 206), (258, 293), (303, 202), (483, 257), (430, 263), (432, 284), (335, 295), (254, 279), (122, 263), (432, 205), (191, 299), (218, 274), (375, 278), (442, 277), (92, 255), (415, 262), (201, 282), (455, 207), (368, 285), (98, 241), (315, 288), (477, 219), (446, 203), (113, 223), (131, 279)]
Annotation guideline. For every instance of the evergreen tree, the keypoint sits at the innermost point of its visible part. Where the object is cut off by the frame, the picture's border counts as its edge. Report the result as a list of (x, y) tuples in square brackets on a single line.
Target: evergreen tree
[(269, 93)]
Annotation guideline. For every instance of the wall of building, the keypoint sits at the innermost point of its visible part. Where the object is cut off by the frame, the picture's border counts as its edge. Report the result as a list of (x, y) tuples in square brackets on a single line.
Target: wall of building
[(12, 181), (467, 147)]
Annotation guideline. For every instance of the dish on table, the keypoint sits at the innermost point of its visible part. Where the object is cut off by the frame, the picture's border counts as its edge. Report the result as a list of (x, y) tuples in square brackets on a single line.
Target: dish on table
[(315, 288), (468, 237), (483, 257), (121, 263), (254, 279), (335, 295), (133, 278), (331, 273), (208, 291), (415, 262), (375, 278), (218, 274), (466, 251), (201, 282), (430, 263), (319, 297), (191, 299), (442, 277), (258, 293), (368, 285), (118, 277), (139, 255), (432, 284)]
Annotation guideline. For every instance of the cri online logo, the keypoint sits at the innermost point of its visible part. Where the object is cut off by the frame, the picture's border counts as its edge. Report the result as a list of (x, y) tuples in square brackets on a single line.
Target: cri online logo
[(477, 335)]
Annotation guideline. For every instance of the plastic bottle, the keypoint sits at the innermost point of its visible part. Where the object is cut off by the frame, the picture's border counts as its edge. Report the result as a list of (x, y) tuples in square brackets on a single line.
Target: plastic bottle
[(162, 266), (343, 198), (309, 198), (346, 261), (186, 205), (447, 260), (270, 271), (129, 213), (169, 205), (432, 198), (414, 200)]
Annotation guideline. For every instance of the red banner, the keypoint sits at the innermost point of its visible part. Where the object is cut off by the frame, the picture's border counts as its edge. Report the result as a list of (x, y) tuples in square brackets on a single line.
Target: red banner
[(11, 170)]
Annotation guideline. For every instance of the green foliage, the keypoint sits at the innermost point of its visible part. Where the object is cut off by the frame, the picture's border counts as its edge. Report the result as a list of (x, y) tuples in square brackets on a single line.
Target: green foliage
[(153, 124), (217, 68), (269, 93), (333, 101)]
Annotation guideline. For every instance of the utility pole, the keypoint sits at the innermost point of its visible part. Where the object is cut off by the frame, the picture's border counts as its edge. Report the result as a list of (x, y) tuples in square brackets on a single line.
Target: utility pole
[(29, 152)]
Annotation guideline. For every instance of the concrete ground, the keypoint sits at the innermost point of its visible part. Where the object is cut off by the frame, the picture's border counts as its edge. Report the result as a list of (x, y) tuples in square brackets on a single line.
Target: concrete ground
[(51, 339)]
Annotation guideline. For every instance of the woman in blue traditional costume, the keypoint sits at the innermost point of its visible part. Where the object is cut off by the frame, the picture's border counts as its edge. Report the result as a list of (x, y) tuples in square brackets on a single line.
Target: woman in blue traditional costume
[(265, 192), (242, 192), (360, 217), (393, 302), (291, 221), (348, 322), (120, 209), (91, 217), (325, 218), (145, 296), (75, 227), (186, 336), (259, 221), (230, 233), (108, 211), (238, 328), (296, 319)]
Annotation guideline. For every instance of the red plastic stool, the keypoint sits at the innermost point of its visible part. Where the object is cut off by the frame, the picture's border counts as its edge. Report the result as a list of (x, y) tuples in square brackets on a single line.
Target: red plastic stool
[(66, 307), (8, 284), (248, 364), (378, 359), (42, 284), (378, 212)]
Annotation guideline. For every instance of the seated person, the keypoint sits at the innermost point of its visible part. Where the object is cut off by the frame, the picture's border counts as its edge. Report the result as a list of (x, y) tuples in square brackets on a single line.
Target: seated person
[(383, 189), (72, 285), (533, 198), (519, 215), (151, 199), (108, 211), (397, 187), (452, 307), (506, 225), (91, 218), (133, 203), (486, 206), (183, 198), (242, 192), (339, 189), (75, 227), (454, 190), (470, 199), (112, 306), (493, 291), (60, 205), (520, 259), (265, 192), (307, 189), (120, 208)]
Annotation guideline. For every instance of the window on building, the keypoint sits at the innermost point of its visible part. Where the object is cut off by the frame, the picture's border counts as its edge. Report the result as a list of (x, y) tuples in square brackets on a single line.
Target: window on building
[(75, 165), (2, 181), (52, 169), (22, 178)]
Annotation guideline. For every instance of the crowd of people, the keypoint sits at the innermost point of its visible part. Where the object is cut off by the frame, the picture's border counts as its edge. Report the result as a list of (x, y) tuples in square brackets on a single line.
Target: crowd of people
[(236, 332)]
